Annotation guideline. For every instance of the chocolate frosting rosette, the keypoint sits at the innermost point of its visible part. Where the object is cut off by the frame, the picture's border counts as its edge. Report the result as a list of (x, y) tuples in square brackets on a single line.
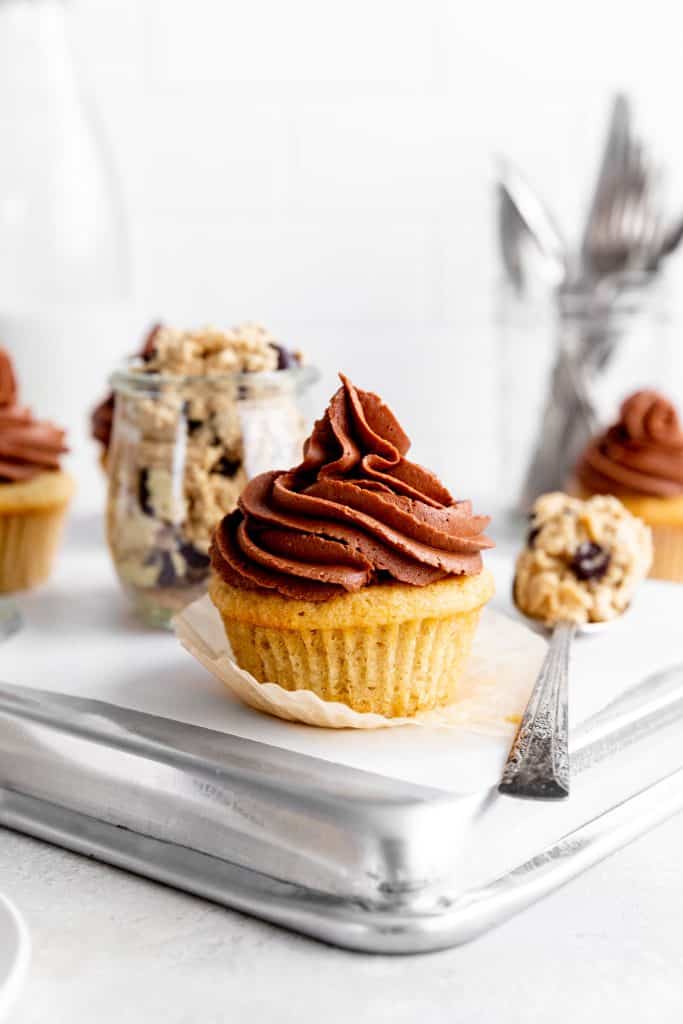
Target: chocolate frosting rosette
[(355, 574), (28, 447), (639, 458), (34, 491), (640, 454)]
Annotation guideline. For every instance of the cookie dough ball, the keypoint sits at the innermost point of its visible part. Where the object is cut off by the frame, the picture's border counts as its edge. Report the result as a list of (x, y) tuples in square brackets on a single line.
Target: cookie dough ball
[(583, 560)]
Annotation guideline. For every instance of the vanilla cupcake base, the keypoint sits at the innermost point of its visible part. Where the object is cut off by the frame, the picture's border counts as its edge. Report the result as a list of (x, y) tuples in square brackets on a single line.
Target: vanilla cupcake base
[(391, 649), (664, 516), (32, 516), (667, 563)]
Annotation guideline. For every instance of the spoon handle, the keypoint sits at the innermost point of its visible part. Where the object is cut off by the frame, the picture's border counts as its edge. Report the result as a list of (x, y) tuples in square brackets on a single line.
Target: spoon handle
[(538, 762)]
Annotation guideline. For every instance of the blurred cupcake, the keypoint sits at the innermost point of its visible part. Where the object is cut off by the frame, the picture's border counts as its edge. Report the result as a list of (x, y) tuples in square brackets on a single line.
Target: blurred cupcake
[(355, 575), (34, 492), (102, 417), (640, 460)]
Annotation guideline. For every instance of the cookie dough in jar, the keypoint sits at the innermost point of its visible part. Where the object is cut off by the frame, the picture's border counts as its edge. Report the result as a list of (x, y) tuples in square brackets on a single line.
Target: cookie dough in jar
[(192, 421)]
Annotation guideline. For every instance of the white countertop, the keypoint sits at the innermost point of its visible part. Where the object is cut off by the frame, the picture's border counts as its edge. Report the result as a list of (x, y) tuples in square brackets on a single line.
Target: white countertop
[(109, 946)]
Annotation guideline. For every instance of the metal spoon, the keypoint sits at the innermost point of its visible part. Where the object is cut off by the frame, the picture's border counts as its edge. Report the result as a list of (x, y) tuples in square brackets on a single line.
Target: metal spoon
[(670, 240), (538, 762), (616, 157)]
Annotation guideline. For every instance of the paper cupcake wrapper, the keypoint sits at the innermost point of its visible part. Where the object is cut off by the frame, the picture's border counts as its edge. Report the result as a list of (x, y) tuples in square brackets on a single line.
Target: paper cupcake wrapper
[(28, 544), (392, 669), (668, 557), (492, 691)]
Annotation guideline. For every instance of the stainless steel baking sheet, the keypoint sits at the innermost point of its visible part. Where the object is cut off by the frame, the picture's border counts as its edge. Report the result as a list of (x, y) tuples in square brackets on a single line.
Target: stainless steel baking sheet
[(346, 856)]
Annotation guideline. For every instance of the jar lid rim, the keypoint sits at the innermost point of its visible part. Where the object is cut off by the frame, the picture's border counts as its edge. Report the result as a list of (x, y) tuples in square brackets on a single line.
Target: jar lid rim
[(127, 377)]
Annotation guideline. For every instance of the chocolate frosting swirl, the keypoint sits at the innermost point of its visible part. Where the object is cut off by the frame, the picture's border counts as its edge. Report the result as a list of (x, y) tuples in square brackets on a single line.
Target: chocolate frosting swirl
[(642, 453), (27, 447), (354, 512)]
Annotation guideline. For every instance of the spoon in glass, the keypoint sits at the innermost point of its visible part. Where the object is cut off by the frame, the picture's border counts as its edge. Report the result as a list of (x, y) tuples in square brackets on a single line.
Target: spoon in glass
[(538, 762)]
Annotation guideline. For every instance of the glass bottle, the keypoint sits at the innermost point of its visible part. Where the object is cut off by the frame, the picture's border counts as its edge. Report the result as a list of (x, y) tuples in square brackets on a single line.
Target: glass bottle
[(64, 269), (64, 261)]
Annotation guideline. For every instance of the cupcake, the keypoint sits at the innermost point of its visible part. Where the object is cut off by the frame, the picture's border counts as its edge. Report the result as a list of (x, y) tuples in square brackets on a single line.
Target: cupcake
[(582, 561), (34, 492), (355, 574), (640, 460)]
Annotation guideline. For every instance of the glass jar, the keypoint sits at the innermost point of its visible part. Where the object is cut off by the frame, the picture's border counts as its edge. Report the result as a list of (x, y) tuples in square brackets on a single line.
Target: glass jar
[(526, 348), (182, 450), (568, 381)]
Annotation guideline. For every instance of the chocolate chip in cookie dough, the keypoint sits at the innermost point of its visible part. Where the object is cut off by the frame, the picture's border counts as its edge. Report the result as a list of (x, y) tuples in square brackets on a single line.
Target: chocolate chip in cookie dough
[(167, 574), (285, 358), (193, 425), (144, 493), (195, 559), (149, 345), (590, 561), (227, 466)]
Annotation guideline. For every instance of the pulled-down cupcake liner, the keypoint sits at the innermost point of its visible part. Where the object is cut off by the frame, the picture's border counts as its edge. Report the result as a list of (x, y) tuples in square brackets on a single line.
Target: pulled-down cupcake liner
[(491, 693), (392, 669)]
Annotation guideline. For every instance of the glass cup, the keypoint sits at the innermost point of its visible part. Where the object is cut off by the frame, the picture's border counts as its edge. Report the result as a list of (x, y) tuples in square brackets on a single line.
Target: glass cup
[(565, 366), (10, 618), (182, 450)]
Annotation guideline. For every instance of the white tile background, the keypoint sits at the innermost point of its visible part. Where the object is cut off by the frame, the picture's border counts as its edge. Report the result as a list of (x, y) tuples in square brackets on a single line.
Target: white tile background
[(325, 167)]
